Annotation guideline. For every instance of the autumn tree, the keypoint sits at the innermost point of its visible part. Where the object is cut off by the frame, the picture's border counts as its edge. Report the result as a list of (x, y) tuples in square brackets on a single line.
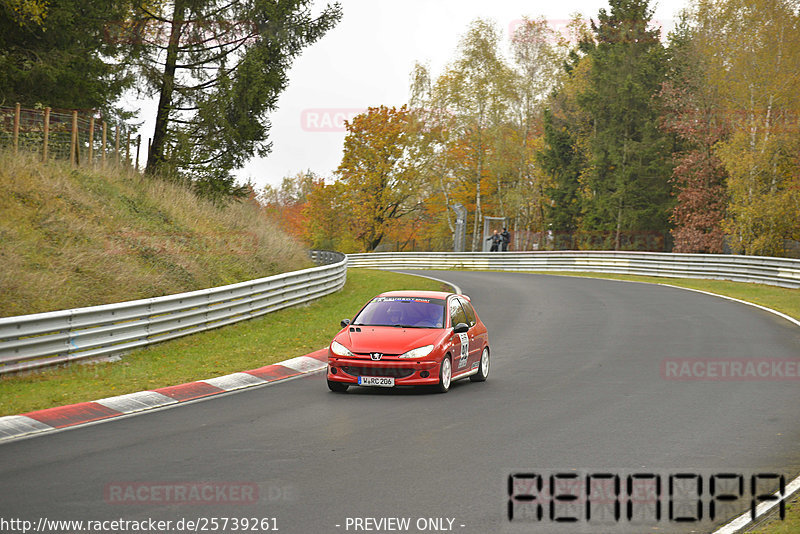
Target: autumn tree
[(538, 53), (327, 218), (430, 129), (691, 112), (25, 11), (752, 52), (286, 203), (379, 172), (472, 97)]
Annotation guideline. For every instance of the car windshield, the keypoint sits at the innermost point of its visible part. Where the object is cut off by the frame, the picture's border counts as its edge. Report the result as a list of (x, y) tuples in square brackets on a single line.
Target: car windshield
[(407, 312)]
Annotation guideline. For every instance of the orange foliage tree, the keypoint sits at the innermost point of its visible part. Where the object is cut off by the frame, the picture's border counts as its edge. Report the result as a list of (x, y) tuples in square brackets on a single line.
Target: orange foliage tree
[(379, 173)]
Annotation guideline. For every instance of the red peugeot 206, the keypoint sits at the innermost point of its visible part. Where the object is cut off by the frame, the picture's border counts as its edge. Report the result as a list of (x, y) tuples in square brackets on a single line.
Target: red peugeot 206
[(410, 338)]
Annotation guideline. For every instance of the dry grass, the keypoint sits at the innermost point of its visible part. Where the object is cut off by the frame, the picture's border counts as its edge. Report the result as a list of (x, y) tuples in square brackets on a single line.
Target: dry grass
[(80, 237)]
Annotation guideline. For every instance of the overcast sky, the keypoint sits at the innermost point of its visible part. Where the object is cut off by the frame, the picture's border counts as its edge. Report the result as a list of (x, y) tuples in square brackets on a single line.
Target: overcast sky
[(366, 61)]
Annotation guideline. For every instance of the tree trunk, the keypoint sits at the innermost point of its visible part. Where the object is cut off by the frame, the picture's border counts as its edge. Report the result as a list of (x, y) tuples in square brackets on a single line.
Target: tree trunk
[(155, 157), (476, 223), (478, 214)]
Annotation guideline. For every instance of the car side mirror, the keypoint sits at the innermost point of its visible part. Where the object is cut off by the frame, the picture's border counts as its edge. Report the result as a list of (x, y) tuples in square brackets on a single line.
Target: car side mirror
[(460, 328), (345, 322)]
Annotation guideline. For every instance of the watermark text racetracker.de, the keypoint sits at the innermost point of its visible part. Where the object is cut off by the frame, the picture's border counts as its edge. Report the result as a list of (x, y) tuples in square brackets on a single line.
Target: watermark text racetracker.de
[(327, 119), (142, 526), (159, 493), (730, 369)]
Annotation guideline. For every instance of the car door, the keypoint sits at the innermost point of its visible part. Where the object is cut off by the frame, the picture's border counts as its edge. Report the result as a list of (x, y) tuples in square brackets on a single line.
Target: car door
[(474, 337), (459, 342)]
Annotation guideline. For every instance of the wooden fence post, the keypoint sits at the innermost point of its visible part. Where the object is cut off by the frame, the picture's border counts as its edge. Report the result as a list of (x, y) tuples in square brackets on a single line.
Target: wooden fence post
[(116, 145), (91, 141), (103, 148), (128, 148), (16, 128), (74, 157), (46, 132), (138, 145)]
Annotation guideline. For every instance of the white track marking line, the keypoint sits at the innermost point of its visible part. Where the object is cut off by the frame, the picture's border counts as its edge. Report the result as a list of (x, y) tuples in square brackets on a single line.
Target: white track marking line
[(744, 519)]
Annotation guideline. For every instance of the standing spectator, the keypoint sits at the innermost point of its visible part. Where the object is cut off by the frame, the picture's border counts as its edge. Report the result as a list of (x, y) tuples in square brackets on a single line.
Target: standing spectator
[(496, 240), (506, 237)]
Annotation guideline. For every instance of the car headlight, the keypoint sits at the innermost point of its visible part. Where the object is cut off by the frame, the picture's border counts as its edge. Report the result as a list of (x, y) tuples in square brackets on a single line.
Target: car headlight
[(419, 352), (340, 350)]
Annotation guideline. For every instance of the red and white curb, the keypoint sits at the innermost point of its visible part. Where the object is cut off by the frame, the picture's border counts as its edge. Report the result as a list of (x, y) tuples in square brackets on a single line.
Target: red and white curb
[(17, 426)]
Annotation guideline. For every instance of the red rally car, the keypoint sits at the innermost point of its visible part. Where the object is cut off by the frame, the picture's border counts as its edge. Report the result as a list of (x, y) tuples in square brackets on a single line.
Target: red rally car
[(410, 338)]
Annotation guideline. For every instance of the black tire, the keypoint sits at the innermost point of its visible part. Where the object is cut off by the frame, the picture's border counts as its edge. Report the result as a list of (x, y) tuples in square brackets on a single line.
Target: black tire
[(483, 367), (445, 375), (337, 387)]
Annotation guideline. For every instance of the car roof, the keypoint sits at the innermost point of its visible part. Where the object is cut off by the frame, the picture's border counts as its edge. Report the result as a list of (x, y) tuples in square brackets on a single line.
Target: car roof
[(422, 294)]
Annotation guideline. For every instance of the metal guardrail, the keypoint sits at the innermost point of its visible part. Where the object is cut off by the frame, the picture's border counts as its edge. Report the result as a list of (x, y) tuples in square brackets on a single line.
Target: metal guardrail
[(783, 272), (325, 257), (43, 339)]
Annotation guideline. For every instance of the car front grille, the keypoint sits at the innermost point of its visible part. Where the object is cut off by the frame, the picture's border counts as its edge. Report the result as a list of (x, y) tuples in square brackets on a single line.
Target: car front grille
[(397, 372)]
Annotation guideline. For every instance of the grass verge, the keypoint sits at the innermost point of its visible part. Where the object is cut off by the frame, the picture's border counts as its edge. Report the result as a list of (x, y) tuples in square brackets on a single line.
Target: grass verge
[(774, 525), (248, 345)]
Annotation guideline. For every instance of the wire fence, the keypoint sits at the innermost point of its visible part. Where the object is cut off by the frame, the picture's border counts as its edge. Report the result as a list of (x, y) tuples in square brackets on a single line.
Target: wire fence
[(82, 137)]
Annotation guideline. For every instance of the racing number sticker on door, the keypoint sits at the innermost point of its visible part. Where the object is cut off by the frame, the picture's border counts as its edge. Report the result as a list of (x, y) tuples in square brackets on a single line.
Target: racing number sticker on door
[(464, 350)]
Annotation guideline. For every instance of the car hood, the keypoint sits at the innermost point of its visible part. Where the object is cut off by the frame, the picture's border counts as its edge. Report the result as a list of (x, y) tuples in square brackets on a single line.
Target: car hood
[(387, 339)]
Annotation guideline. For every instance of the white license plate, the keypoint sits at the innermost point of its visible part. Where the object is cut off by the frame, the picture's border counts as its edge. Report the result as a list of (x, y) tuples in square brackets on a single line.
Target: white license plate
[(380, 381)]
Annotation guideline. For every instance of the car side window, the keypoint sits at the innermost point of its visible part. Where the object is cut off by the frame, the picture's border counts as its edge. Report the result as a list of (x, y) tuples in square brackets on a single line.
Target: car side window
[(457, 314), (469, 311)]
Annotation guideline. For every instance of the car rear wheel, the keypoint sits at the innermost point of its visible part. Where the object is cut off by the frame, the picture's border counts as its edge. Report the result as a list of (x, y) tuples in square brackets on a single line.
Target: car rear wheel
[(338, 387), (483, 367), (445, 375)]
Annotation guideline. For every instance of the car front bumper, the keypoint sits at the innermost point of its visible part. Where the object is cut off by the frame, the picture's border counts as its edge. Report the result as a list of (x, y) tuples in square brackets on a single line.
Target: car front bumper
[(405, 372)]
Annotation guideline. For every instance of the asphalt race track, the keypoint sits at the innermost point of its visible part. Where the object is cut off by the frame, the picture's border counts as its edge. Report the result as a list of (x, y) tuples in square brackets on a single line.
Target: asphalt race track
[(575, 386)]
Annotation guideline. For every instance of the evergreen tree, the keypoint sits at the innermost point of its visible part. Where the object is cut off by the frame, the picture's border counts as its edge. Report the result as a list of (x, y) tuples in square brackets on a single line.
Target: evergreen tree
[(218, 70), (627, 184), (561, 158), (61, 54)]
